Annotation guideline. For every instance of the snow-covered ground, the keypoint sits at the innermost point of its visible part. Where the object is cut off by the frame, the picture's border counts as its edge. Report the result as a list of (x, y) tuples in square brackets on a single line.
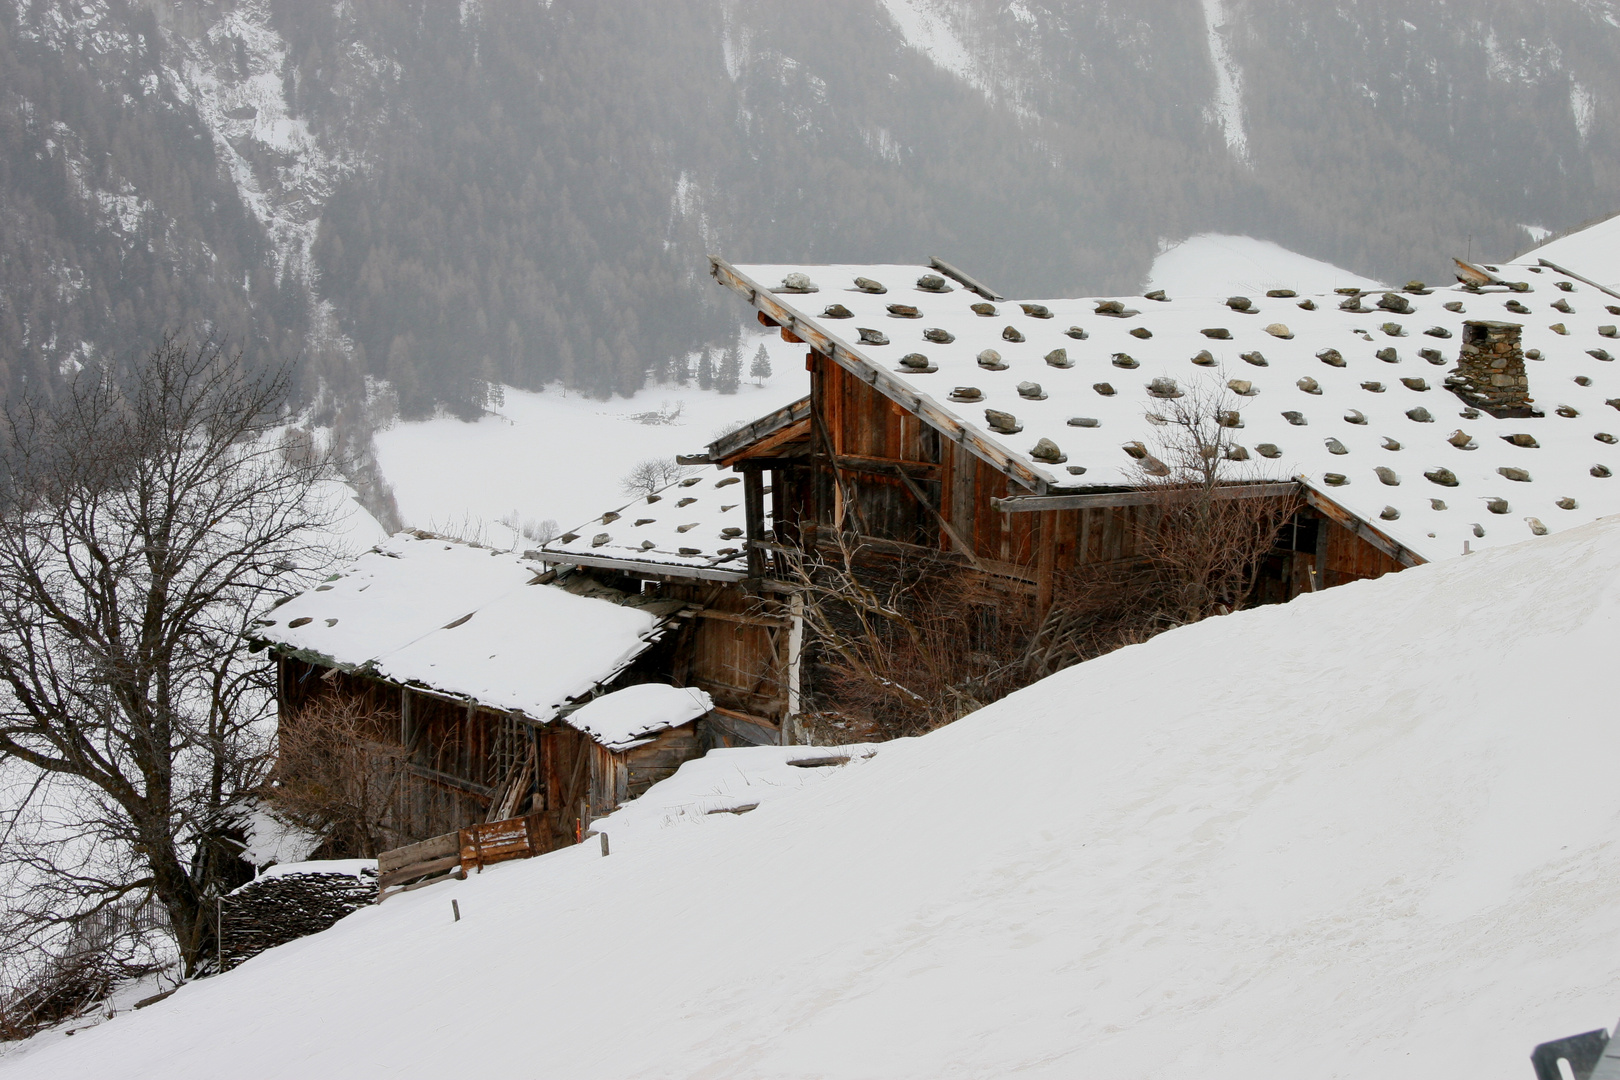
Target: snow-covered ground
[(1370, 833), (1593, 252), (1213, 264), (559, 455)]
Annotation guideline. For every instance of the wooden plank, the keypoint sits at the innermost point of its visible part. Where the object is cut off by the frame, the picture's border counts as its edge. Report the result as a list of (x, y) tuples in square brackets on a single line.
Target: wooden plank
[(763, 450), (1046, 564), (655, 569), (1332, 510), (1136, 497), (923, 470), (455, 783), (956, 275), (754, 730), (436, 847), (754, 519), (962, 546), (746, 438), (417, 870), (1577, 277)]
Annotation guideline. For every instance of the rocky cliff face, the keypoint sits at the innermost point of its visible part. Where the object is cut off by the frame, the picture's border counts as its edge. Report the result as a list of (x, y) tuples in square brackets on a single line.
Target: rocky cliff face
[(448, 197)]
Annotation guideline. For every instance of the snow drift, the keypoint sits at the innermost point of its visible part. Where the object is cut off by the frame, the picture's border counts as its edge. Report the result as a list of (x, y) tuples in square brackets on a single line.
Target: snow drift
[(1371, 833)]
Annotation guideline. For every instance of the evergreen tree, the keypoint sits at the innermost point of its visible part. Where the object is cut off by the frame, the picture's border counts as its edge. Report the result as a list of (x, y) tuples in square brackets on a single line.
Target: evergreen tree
[(760, 369), (706, 370), (730, 376), (681, 369)]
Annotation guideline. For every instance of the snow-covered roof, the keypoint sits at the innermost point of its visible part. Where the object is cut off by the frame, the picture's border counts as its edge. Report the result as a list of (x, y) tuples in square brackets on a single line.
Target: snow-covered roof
[(694, 527), (628, 718), (1079, 376), (466, 621)]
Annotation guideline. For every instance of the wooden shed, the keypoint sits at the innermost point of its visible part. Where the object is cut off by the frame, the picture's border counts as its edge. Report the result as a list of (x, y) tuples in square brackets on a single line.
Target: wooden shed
[(485, 687)]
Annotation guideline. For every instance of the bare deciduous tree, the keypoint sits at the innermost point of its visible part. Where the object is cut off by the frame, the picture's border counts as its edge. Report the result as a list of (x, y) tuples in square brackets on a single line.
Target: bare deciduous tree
[(652, 474), (1200, 550), (148, 516), (908, 648)]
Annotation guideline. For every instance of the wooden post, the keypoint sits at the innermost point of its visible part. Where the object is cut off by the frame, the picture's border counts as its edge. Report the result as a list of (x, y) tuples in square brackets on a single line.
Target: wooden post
[(754, 518), (1046, 566), (405, 718)]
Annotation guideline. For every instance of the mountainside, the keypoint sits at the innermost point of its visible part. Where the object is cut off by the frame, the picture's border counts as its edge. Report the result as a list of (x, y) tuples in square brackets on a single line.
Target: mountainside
[(1371, 830), (450, 197)]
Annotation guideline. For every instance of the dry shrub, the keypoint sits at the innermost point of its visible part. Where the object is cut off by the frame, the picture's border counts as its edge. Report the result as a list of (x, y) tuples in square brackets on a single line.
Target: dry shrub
[(339, 765), (905, 648)]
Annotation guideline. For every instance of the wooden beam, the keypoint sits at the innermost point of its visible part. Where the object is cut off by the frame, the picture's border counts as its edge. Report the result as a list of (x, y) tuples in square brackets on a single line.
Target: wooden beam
[(1046, 566), (962, 545), (761, 450), (956, 275), (1134, 497), (755, 730), (1577, 277), (879, 378), (774, 622), (649, 569), (1325, 506), (754, 519), (467, 787), (922, 470), (744, 437)]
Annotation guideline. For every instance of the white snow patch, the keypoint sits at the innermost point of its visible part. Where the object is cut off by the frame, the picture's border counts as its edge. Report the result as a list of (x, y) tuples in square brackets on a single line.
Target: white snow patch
[(1227, 108), (925, 27), (1322, 832), (272, 840), (1583, 107), (1216, 264), (355, 868), (630, 717), (1537, 233)]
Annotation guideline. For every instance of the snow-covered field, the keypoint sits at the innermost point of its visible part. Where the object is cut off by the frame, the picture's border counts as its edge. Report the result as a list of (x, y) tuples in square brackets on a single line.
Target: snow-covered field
[(1593, 251), (559, 455), (1370, 833), (1213, 264)]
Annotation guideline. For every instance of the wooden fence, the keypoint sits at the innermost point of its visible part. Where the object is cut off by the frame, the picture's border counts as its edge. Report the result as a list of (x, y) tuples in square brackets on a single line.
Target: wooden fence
[(454, 854)]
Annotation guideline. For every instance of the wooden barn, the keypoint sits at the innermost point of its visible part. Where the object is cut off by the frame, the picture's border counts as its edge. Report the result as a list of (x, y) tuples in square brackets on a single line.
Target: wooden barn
[(486, 687), (1013, 442), (947, 423)]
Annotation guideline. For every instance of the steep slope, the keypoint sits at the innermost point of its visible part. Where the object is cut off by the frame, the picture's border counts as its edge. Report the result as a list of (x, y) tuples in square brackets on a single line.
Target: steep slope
[(1366, 834), (450, 196)]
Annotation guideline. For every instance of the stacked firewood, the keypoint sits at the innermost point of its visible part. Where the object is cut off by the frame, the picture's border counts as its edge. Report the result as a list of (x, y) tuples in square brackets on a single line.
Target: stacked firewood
[(275, 910)]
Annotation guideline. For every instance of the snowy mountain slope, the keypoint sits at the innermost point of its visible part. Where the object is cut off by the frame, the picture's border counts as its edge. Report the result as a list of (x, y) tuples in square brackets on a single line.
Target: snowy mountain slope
[(1214, 265), (1371, 831), (1593, 252), (524, 194)]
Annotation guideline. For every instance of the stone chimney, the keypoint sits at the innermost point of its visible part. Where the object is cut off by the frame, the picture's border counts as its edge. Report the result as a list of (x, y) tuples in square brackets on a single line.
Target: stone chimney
[(1490, 370)]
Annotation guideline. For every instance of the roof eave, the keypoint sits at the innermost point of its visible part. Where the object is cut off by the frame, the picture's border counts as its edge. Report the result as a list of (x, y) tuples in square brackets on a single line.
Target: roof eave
[(863, 367)]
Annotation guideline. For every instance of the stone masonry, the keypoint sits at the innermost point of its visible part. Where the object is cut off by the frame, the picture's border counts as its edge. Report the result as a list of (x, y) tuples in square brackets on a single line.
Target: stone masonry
[(1490, 369)]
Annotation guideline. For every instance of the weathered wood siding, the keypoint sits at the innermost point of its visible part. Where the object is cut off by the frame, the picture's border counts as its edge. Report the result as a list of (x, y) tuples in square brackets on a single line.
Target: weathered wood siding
[(1347, 557), (735, 648)]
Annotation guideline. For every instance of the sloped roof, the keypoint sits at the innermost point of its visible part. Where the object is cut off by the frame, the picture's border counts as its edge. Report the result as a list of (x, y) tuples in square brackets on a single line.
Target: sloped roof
[(464, 621), (694, 528), (1335, 431), (633, 716)]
